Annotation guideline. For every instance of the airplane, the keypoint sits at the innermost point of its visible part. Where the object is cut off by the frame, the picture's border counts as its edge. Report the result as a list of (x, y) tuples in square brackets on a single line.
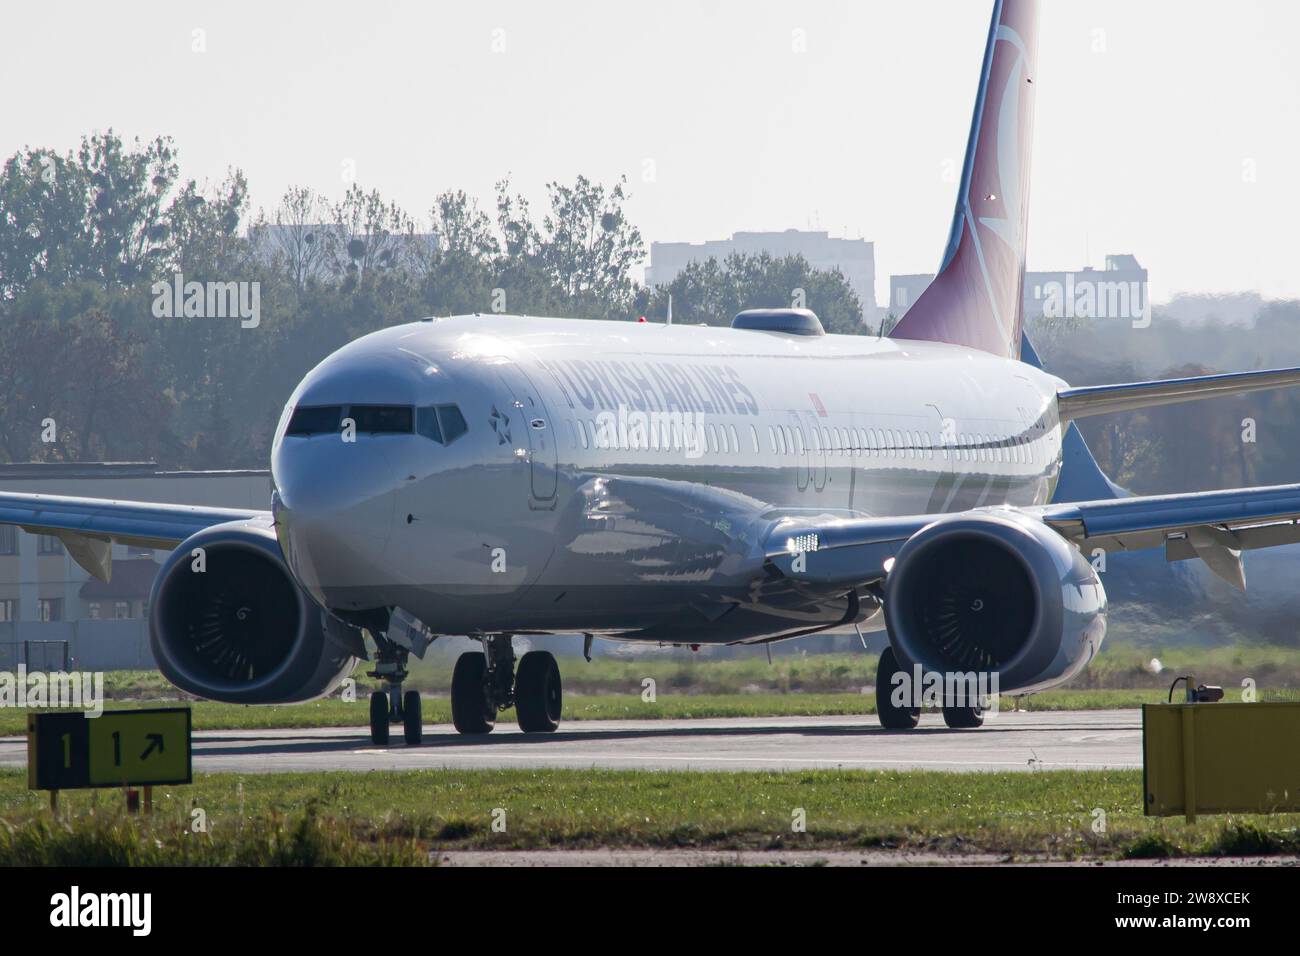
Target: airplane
[(499, 476)]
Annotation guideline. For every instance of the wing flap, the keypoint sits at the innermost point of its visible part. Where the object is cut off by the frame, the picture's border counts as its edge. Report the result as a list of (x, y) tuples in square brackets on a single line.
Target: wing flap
[(1143, 522), (1215, 526)]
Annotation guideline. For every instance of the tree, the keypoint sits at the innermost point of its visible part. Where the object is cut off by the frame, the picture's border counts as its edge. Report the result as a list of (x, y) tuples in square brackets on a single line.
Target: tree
[(584, 249), (96, 214), (712, 292), (297, 237), (372, 235)]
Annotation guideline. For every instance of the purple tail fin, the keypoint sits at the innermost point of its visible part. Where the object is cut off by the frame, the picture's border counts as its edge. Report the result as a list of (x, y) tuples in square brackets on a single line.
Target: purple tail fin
[(975, 300)]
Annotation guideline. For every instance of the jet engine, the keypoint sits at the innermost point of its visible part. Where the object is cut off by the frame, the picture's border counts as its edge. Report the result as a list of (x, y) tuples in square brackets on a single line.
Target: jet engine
[(228, 622), (994, 592)]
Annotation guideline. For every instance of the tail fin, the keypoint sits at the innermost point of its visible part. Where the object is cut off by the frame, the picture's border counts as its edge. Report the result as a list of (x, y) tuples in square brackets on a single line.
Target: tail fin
[(975, 300)]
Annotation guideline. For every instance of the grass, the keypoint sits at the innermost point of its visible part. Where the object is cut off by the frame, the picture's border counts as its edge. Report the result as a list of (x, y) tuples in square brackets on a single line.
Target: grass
[(1118, 667), (609, 688), (211, 715), (402, 817)]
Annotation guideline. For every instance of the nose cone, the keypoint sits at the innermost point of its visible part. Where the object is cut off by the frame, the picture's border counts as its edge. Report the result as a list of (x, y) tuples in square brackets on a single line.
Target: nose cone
[(334, 513)]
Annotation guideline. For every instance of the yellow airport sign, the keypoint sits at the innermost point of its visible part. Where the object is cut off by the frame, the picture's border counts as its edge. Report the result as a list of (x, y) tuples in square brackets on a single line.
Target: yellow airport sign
[(120, 748), (1220, 758)]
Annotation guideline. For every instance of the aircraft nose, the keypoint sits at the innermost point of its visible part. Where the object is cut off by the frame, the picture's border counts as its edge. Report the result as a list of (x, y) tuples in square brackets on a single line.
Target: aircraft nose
[(334, 512)]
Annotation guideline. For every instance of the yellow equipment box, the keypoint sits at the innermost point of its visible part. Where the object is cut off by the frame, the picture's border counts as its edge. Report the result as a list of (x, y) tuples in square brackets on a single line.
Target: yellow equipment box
[(1220, 758)]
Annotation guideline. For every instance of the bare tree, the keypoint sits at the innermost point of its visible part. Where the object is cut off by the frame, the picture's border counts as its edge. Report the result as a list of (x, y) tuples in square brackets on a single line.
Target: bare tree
[(300, 235)]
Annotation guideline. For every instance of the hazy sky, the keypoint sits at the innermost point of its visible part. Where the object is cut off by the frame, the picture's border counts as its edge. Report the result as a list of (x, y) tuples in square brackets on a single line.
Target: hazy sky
[(1165, 128)]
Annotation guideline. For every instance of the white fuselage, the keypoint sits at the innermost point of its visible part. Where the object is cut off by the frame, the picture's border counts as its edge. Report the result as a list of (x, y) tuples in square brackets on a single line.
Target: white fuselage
[(599, 455)]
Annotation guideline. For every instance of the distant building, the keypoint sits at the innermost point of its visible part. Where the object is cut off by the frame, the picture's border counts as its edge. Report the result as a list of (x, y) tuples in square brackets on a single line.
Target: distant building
[(905, 290), (1117, 292), (46, 596), (855, 258)]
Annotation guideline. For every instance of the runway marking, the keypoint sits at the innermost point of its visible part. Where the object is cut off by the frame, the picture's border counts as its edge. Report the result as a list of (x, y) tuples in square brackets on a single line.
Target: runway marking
[(595, 759), (1027, 743)]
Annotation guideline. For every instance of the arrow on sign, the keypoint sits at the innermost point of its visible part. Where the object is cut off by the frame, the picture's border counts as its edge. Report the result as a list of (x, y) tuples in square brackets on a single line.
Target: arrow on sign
[(155, 743)]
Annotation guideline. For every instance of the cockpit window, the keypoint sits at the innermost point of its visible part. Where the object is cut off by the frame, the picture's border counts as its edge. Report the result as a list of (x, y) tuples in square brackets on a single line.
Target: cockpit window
[(426, 423), (314, 420), (441, 423), (382, 419), (453, 422)]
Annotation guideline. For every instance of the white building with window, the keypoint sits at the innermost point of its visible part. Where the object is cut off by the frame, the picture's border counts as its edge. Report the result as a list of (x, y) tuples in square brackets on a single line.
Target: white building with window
[(1117, 292)]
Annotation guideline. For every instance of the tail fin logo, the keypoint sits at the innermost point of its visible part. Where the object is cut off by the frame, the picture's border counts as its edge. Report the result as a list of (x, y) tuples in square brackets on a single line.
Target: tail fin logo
[(975, 300), (1011, 228)]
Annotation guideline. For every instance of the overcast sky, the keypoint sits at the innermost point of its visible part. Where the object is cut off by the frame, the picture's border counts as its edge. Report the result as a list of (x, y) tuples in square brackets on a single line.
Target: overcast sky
[(1165, 128)]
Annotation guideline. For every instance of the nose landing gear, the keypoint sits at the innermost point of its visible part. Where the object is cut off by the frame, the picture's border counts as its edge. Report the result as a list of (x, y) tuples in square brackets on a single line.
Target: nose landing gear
[(483, 684), (390, 705)]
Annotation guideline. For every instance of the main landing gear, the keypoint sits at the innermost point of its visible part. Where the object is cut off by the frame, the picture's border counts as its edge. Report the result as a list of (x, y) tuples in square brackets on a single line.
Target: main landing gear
[(390, 705), (486, 683), (894, 716)]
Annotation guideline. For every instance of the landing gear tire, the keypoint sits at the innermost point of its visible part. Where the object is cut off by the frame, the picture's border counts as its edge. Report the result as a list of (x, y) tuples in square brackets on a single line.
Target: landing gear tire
[(892, 717), (379, 718), (538, 693), (471, 710), (412, 727), (963, 718)]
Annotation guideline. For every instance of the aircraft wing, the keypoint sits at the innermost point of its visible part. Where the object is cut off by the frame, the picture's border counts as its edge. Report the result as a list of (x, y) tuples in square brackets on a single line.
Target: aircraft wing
[(89, 527), (1215, 526), (1075, 403)]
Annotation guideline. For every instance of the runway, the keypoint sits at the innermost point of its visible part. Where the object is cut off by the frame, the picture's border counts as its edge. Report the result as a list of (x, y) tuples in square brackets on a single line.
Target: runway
[(1061, 740)]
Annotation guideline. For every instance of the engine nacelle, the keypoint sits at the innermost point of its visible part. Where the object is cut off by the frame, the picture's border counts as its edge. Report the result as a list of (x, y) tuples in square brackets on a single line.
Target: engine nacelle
[(995, 592), (240, 629)]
